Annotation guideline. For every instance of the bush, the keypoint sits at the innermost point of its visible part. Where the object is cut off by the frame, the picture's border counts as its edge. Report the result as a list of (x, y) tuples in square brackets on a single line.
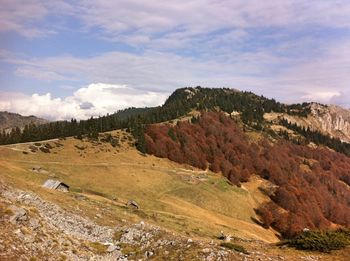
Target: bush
[(235, 247), (323, 241), (45, 150), (80, 147), (114, 142)]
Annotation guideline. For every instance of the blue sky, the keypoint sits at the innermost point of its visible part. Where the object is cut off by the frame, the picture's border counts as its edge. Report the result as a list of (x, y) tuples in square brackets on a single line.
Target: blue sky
[(57, 57)]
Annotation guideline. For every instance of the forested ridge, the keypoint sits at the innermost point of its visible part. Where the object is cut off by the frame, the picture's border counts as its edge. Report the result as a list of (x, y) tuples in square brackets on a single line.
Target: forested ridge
[(312, 185), (252, 108)]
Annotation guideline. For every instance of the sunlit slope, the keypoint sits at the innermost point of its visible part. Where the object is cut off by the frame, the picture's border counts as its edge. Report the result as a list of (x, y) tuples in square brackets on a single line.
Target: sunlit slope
[(174, 196)]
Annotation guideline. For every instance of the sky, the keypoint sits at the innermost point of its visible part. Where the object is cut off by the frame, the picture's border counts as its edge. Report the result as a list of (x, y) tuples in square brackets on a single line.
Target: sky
[(80, 58)]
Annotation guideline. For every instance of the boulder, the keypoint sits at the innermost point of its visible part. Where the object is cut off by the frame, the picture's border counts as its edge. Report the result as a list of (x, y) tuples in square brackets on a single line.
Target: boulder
[(19, 215)]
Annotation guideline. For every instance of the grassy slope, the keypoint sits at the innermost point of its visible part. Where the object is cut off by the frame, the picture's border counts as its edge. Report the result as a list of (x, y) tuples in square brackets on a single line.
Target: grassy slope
[(169, 194)]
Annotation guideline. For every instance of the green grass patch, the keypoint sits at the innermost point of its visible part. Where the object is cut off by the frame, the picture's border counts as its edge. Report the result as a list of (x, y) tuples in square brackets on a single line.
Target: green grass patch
[(117, 235), (323, 241), (98, 248), (234, 247)]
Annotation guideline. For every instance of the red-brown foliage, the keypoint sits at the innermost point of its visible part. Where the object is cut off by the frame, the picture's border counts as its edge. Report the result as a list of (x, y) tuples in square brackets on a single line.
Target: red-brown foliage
[(313, 198)]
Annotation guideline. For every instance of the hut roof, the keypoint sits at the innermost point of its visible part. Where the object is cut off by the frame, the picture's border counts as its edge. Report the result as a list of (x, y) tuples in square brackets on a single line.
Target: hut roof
[(53, 184)]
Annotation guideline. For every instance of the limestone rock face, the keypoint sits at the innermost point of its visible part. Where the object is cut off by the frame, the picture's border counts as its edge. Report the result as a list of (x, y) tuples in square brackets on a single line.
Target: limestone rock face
[(332, 120)]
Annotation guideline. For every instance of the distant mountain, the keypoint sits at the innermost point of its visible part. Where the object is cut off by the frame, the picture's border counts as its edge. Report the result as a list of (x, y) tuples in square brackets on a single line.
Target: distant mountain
[(10, 120)]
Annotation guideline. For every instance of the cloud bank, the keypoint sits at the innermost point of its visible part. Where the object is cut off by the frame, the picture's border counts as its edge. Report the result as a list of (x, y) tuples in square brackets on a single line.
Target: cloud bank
[(96, 99)]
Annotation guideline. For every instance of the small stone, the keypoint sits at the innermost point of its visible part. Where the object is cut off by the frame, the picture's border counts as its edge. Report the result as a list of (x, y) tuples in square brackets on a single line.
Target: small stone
[(189, 240), (17, 232), (112, 248), (148, 254), (142, 224), (206, 250), (34, 223)]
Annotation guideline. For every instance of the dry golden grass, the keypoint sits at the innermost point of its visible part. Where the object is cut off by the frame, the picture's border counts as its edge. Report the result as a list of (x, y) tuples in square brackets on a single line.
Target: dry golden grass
[(108, 177)]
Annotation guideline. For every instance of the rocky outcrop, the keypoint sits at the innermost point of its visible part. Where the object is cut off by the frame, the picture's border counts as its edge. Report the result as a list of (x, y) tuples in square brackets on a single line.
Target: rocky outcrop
[(332, 120)]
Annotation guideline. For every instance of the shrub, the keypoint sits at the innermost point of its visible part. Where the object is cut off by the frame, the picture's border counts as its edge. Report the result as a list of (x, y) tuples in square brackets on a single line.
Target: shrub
[(48, 146), (114, 142), (323, 241), (79, 147), (45, 150)]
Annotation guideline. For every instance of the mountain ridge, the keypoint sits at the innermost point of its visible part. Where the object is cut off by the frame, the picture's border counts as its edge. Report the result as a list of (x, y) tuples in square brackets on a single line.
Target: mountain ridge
[(10, 120), (321, 124)]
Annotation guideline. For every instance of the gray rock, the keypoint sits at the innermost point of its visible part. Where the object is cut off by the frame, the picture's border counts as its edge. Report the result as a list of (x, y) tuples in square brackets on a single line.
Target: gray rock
[(132, 203), (112, 248), (148, 254), (19, 215), (34, 223)]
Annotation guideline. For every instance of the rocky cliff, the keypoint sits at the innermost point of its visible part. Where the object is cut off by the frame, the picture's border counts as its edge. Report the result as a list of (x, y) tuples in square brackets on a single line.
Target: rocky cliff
[(331, 120)]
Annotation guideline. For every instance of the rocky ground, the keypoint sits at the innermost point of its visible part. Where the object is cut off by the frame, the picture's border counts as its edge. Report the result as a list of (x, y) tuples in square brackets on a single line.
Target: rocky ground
[(35, 229)]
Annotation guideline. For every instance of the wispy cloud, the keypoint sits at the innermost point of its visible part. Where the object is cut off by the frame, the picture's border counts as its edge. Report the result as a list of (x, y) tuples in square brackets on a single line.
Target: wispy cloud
[(24, 17), (292, 50), (156, 22), (152, 69)]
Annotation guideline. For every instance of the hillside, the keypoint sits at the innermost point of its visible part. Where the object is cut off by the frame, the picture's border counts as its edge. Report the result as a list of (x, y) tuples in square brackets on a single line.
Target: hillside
[(181, 208), (311, 186), (10, 120)]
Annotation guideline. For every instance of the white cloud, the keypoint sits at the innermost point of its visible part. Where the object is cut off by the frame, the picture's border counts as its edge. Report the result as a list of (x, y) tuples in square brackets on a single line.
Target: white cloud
[(324, 97), (93, 100)]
